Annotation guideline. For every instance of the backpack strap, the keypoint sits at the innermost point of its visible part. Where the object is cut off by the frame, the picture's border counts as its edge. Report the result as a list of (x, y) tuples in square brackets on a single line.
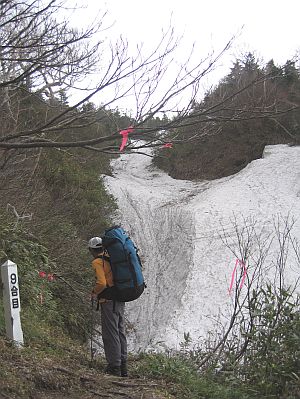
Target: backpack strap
[(104, 257)]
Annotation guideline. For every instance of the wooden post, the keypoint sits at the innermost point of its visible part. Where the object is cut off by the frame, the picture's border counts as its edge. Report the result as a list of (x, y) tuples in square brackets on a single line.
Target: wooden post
[(11, 302)]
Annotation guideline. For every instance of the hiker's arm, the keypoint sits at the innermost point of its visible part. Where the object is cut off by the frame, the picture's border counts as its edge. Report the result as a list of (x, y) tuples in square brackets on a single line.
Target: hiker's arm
[(101, 282)]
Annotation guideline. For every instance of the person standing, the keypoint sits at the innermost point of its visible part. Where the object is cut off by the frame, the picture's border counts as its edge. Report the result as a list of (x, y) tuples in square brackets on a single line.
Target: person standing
[(112, 312)]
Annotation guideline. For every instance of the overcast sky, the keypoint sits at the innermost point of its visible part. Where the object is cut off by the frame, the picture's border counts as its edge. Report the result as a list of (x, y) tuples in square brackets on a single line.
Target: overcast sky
[(271, 27), (268, 28)]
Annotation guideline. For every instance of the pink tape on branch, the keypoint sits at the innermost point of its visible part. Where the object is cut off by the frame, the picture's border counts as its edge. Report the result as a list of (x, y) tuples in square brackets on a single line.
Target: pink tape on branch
[(244, 274), (167, 145), (232, 276), (125, 133), (243, 266), (49, 276)]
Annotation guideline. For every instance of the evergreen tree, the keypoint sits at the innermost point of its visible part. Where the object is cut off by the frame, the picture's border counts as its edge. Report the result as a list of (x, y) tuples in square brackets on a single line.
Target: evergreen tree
[(272, 70), (250, 63), (290, 72)]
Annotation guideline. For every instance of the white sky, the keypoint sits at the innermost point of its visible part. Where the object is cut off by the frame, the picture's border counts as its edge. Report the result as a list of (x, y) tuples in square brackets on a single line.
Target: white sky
[(268, 28), (271, 27)]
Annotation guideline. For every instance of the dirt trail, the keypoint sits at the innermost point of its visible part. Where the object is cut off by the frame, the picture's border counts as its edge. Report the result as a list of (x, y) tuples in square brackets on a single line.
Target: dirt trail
[(26, 374), (108, 387)]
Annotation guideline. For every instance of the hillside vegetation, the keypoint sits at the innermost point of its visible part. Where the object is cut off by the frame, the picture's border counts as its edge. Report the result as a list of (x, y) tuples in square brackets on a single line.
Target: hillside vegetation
[(238, 130)]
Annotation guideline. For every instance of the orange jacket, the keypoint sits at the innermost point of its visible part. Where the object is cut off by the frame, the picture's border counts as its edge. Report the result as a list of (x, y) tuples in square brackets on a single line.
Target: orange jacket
[(103, 275)]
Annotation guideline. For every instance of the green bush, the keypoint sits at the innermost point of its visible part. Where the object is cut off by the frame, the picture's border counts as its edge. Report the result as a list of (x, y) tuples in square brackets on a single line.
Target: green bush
[(31, 257), (186, 381), (271, 360)]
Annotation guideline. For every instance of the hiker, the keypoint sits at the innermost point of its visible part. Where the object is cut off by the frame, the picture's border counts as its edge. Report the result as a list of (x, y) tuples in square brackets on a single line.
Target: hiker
[(112, 311)]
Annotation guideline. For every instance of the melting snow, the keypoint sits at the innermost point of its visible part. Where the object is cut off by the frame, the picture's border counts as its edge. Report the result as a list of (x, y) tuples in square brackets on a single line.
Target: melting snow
[(178, 225)]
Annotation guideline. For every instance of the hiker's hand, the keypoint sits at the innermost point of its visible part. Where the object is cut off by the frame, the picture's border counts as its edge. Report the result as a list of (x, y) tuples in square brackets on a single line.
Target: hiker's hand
[(93, 297)]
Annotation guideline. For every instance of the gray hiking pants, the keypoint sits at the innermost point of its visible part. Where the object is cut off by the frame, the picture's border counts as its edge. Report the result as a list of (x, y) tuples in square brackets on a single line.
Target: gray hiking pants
[(113, 332)]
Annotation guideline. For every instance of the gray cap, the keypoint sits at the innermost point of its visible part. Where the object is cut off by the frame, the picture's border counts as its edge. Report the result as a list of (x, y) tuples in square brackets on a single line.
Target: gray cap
[(95, 242)]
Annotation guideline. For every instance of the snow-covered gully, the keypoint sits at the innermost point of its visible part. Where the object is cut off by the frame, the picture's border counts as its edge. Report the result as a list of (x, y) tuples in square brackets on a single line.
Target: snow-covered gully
[(177, 226)]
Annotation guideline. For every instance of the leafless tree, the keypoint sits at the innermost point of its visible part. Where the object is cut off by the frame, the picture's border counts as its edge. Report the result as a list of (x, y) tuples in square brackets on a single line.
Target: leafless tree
[(42, 57), (268, 257)]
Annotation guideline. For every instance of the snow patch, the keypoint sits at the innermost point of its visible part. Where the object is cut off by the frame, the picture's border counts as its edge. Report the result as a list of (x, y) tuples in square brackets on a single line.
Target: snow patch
[(177, 225)]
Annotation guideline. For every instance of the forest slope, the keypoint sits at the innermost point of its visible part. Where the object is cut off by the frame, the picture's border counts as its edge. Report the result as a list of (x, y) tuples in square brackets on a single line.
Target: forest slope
[(235, 131)]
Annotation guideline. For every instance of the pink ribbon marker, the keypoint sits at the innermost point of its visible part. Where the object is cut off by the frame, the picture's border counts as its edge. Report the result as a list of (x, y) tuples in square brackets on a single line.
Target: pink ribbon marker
[(244, 274), (243, 266), (125, 133), (51, 277), (168, 145)]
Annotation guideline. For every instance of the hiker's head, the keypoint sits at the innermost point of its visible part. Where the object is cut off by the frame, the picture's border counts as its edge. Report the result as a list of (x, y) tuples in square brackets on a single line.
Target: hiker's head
[(95, 245)]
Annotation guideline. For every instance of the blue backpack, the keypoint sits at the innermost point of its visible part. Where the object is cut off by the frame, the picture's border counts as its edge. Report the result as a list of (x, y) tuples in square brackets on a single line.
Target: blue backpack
[(125, 265)]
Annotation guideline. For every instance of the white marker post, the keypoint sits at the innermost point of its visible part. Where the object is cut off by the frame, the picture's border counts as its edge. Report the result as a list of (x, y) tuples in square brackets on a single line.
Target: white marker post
[(11, 301)]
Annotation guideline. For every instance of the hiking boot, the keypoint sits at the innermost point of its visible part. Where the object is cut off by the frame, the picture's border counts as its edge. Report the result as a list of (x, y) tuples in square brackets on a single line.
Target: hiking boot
[(113, 370), (124, 372)]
